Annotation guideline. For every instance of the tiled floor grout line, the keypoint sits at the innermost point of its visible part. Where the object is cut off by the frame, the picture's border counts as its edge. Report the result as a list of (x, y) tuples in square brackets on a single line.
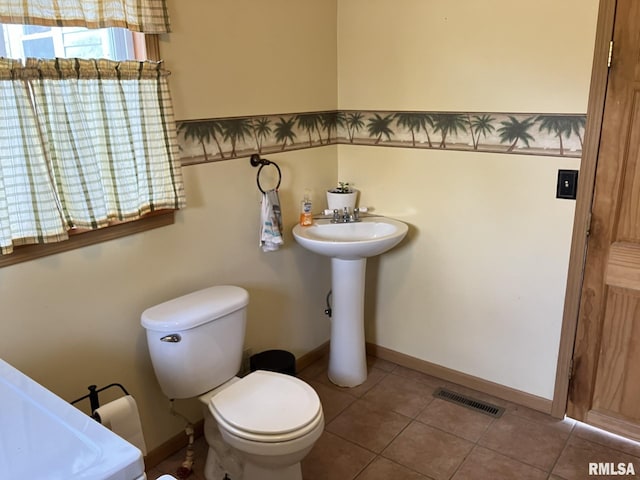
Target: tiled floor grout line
[(476, 445), (381, 454), (376, 454), (611, 447), (517, 459), (564, 447), (355, 477), (362, 446)]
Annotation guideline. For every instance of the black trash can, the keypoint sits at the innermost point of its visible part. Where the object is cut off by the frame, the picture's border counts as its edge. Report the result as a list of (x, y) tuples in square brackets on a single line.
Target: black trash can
[(279, 361)]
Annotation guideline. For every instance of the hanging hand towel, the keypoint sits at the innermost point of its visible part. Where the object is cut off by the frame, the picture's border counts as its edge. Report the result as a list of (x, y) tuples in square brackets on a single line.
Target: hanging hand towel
[(270, 222)]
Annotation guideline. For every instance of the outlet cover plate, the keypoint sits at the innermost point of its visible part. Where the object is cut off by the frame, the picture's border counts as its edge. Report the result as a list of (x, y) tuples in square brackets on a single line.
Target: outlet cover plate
[(567, 186)]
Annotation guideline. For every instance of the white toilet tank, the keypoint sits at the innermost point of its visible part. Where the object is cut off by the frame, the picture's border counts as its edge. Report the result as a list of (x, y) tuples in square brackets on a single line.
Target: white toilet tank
[(196, 340)]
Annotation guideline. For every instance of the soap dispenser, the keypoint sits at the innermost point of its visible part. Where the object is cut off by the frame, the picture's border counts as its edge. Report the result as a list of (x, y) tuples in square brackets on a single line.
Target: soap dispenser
[(306, 217)]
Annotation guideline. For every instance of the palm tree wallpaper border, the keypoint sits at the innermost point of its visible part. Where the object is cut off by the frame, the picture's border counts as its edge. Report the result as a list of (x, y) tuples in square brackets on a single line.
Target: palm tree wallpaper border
[(558, 135)]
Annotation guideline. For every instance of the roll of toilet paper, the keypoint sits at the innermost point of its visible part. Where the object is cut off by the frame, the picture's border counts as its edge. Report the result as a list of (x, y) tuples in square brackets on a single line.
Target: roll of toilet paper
[(122, 418)]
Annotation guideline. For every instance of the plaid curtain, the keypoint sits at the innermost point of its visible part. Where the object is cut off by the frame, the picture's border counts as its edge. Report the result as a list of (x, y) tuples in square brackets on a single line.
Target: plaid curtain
[(29, 210), (83, 143), (148, 16)]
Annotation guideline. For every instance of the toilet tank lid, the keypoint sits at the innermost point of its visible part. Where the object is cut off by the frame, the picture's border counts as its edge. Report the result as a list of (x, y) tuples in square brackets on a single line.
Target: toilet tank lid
[(195, 308)]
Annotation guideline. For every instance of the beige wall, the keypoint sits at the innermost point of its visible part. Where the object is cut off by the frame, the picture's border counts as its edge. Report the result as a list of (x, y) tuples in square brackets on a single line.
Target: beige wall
[(244, 57), (465, 55), (479, 285), (72, 320), (488, 243)]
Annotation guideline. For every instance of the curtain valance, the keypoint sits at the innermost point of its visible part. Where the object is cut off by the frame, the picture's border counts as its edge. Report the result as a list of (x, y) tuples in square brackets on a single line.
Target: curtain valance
[(147, 16)]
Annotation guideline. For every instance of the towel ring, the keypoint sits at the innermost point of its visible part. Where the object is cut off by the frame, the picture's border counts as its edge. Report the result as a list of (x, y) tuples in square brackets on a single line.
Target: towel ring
[(255, 161)]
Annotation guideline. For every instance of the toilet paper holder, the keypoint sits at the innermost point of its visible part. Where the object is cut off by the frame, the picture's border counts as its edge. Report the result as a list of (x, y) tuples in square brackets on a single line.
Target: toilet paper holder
[(94, 400)]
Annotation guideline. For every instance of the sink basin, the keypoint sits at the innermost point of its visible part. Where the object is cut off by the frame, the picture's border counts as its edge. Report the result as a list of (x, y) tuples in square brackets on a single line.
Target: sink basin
[(349, 241)]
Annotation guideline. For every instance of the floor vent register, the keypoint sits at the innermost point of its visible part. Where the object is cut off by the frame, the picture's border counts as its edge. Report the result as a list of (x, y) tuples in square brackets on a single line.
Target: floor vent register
[(469, 402)]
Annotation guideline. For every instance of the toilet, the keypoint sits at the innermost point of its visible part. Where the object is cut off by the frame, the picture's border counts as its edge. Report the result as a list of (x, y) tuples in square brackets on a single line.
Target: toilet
[(258, 427)]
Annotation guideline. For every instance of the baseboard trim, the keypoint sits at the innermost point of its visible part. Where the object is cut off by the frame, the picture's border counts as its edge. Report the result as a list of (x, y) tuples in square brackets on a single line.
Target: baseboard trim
[(611, 423), (314, 355), (485, 386), (171, 446)]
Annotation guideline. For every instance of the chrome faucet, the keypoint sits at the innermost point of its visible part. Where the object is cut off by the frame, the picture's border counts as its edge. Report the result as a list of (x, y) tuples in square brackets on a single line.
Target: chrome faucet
[(346, 216)]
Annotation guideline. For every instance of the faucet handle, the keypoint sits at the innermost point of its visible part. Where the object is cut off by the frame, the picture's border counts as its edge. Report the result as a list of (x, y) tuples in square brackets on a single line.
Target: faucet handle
[(336, 215)]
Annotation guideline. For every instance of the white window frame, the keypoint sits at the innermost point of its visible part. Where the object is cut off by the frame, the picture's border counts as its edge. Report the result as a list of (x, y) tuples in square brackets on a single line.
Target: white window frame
[(118, 42)]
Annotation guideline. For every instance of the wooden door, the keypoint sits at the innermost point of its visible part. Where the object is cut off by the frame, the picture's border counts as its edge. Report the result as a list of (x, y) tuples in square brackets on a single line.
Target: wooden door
[(605, 385)]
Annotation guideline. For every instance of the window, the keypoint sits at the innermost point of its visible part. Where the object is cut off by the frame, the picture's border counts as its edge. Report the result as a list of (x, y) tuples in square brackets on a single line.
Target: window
[(24, 41)]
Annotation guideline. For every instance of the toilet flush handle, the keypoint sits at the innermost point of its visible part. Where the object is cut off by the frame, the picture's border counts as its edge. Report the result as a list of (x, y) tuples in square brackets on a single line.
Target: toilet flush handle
[(173, 338)]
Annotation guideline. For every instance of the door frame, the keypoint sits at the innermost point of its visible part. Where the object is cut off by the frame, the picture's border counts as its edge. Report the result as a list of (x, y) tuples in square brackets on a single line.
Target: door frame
[(593, 128)]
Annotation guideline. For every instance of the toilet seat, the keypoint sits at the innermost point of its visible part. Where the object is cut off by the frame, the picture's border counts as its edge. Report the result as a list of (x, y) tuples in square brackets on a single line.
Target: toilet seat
[(267, 407), (279, 438)]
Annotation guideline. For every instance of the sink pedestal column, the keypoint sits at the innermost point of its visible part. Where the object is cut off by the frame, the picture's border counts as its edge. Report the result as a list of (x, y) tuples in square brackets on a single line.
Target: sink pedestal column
[(347, 357)]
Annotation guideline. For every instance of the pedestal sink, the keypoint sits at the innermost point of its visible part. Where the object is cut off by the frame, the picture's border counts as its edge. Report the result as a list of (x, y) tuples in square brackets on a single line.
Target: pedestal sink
[(349, 245)]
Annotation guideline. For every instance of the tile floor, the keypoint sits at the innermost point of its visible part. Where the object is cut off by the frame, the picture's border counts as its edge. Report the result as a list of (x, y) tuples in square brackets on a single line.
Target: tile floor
[(391, 427)]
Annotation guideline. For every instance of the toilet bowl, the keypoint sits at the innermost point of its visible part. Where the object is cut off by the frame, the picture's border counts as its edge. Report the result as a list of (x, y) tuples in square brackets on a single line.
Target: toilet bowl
[(270, 420), (258, 427), (273, 461)]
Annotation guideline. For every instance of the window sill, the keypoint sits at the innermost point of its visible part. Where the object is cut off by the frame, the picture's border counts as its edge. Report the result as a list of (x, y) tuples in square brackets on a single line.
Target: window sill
[(84, 239)]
